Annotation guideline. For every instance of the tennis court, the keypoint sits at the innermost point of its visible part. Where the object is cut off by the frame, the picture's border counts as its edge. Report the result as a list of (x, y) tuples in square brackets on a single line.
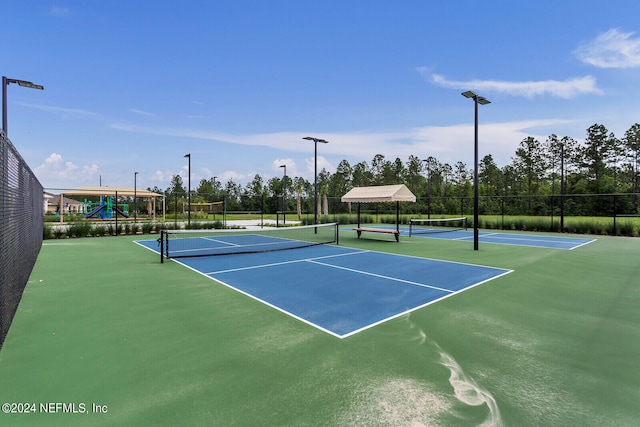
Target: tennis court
[(460, 232), (102, 322), (338, 290)]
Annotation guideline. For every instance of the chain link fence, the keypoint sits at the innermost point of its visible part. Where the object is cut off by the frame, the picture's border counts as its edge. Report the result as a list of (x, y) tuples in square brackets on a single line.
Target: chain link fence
[(22, 210)]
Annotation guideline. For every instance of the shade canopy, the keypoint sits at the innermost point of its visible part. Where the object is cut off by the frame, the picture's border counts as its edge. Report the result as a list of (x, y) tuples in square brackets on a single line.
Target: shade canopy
[(380, 194), (111, 191)]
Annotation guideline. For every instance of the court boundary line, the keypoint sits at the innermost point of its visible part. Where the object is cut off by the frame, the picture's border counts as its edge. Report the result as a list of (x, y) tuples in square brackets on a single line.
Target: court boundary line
[(355, 251), (499, 233), (293, 261), (395, 279), (379, 322), (532, 239), (255, 298)]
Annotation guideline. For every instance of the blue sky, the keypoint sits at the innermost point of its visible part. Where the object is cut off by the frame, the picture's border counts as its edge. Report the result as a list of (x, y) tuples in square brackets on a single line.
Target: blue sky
[(132, 86)]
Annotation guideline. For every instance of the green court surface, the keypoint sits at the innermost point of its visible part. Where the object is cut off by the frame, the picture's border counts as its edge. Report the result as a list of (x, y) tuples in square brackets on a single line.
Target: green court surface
[(106, 335)]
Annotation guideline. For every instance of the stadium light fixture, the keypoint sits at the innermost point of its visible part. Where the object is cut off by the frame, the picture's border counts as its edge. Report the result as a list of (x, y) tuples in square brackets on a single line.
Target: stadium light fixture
[(6, 82), (284, 195), (482, 101), (315, 175), (189, 190)]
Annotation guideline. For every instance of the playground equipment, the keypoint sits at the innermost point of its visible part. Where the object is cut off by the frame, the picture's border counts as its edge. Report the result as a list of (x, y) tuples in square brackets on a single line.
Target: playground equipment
[(105, 209)]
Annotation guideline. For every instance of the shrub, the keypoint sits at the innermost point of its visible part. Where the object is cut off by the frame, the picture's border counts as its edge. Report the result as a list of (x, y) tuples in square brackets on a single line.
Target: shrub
[(47, 232), (79, 229)]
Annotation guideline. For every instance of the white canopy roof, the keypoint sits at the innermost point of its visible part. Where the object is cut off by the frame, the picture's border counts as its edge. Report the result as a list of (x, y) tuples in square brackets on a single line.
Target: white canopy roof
[(95, 190), (380, 193)]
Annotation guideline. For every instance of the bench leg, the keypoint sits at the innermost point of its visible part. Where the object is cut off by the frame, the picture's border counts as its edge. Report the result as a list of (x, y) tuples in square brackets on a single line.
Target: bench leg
[(359, 232)]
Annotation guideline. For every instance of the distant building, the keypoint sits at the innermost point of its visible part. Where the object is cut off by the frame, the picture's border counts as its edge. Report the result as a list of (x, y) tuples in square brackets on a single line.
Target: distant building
[(70, 206)]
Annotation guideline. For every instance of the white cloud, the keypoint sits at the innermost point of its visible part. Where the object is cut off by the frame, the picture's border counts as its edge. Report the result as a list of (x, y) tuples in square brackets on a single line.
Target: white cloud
[(160, 176), (90, 170), (290, 163), (322, 164), (63, 111), (611, 49), (56, 172), (448, 144), (566, 89), (55, 169), (235, 176), (142, 113)]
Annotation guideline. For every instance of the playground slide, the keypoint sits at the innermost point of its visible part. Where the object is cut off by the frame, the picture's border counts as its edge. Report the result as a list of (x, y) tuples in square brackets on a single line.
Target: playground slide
[(122, 213), (95, 211)]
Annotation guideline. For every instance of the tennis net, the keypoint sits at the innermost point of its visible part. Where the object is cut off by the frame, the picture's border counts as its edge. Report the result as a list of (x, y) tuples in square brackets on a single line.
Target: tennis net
[(440, 225), (194, 243)]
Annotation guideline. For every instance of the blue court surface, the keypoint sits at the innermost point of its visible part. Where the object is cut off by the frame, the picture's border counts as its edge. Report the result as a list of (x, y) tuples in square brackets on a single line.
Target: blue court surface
[(535, 240), (339, 290)]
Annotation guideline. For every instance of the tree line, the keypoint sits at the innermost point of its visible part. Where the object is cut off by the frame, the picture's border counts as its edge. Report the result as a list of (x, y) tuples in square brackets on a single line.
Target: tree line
[(601, 164)]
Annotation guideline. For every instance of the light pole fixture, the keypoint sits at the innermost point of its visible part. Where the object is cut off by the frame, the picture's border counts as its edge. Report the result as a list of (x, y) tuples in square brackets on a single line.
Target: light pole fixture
[(6, 82), (482, 101), (284, 195), (189, 191), (315, 175), (135, 204), (426, 162)]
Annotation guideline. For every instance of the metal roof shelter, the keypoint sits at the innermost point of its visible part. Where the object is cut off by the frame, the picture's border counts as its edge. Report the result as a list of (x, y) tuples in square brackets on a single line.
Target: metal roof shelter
[(380, 194), (94, 190)]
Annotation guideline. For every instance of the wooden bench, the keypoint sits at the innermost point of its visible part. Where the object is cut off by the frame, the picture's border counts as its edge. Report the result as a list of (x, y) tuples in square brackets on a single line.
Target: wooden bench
[(396, 233)]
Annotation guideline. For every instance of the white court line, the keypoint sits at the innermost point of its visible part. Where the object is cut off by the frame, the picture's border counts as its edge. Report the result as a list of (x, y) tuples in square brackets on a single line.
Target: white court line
[(220, 248), (585, 243), (251, 267), (363, 328), (219, 241), (380, 276)]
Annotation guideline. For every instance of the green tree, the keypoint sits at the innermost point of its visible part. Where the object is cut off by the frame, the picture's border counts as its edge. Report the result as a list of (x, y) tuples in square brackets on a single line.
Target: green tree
[(377, 169), (205, 190), (530, 163), (593, 156), (177, 186), (489, 175), (631, 142), (341, 181), (362, 176), (413, 174)]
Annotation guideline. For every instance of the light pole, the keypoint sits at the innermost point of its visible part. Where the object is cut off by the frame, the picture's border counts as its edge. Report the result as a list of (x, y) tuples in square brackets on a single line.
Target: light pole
[(135, 204), (284, 196), (315, 175), (482, 101), (426, 162), (214, 196), (6, 82), (189, 191), (562, 189)]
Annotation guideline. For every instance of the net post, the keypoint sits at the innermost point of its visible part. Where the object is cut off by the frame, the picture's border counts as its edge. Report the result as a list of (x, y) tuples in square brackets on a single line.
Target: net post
[(161, 246)]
